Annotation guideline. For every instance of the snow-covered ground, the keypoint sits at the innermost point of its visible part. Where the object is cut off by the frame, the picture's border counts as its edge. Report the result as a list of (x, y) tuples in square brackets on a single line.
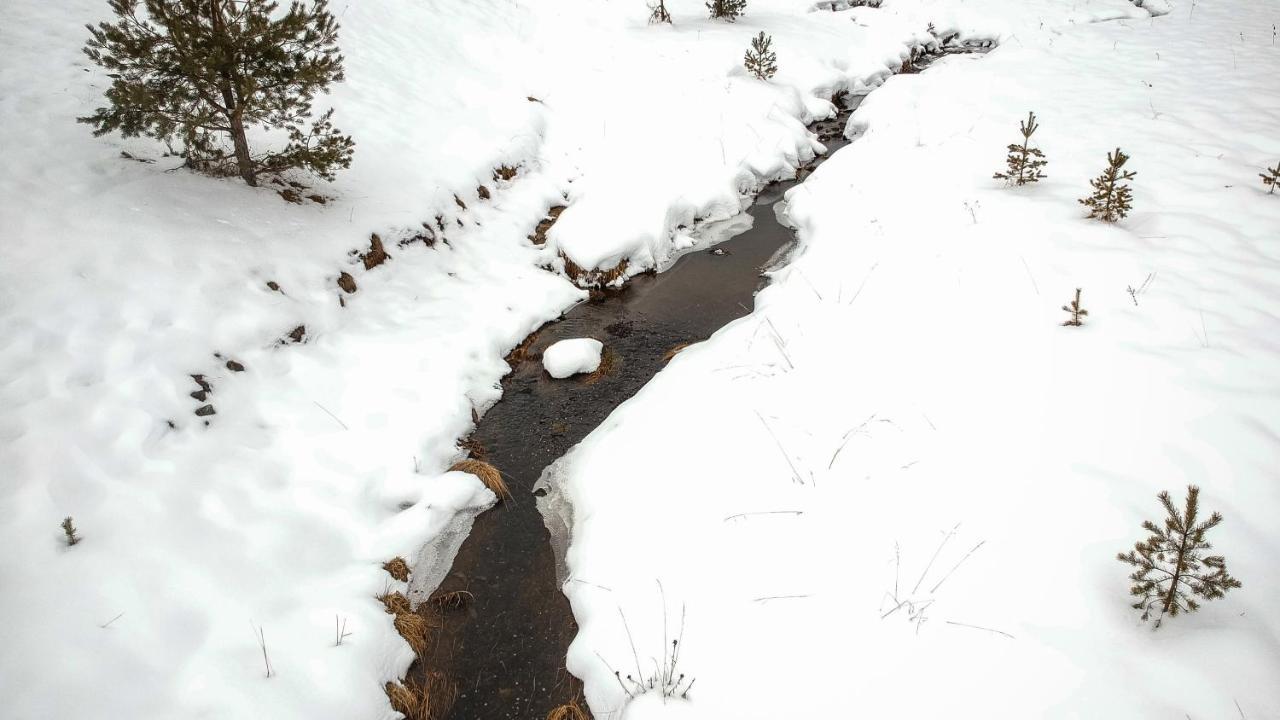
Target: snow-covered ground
[(898, 488), (120, 279)]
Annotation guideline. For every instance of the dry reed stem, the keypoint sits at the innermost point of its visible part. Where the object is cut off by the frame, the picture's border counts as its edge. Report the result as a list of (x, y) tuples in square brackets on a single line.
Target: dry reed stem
[(674, 351), (568, 711)]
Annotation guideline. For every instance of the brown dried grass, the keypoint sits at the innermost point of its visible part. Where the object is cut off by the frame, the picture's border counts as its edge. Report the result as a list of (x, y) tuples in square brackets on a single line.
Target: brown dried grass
[(395, 603), (608, 366), (569, 711), (415, 630), (523, 351), (406, 700), (455, 600), (488, 475), (397, 568), (674, 351), (593, 278)]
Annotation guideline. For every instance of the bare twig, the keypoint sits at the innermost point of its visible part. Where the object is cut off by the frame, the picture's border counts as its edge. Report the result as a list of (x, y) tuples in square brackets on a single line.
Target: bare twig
[(262, 643), (108, 623), (935, 557), (764, 512), (979, 627), (953, 569), (335, 417)]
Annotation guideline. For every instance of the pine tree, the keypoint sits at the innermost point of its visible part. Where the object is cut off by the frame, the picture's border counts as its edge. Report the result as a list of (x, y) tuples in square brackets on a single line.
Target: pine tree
[(1024, 161), (1271, 178), (727, 9), (1077, 312), (1171, 572), (69, 529), (760, 60), (1111, 199), (203, 70), (658, 12)]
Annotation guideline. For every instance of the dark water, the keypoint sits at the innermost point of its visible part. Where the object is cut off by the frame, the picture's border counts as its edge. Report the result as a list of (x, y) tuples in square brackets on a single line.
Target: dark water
[(505, 651)]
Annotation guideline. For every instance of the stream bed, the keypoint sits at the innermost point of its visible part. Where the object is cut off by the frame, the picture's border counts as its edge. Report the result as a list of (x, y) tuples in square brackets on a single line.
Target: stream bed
[(505, 651)]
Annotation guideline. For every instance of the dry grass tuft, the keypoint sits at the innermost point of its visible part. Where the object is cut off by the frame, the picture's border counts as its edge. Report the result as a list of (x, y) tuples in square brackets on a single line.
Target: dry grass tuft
[(674, 351), (397, 568), (523, 351), (405, 700), (415, 630), (395, 603), (473, 447), (569, 711), (488, 475), (455, 600), (608, 366)]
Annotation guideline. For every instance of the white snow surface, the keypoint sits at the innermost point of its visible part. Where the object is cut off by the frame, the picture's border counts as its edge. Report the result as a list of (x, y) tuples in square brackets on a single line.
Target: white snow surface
[(120, 279), (897, 489), (566, 358)]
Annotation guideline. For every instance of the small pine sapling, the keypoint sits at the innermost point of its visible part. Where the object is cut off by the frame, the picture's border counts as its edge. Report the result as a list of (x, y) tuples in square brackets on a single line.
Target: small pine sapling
[(726, 9), (658, 12), (69, 529), (1171, 572), (1077, 313), (1112, 198), (760, 60), (1271, 178), (1024, 161)]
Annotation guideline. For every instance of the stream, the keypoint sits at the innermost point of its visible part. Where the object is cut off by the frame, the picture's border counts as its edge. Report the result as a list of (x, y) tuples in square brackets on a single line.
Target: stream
[(503, 653)]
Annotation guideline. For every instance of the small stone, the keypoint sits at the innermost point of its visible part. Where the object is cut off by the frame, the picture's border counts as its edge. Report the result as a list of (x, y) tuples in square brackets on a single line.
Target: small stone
[(234, 366), (205, 411)]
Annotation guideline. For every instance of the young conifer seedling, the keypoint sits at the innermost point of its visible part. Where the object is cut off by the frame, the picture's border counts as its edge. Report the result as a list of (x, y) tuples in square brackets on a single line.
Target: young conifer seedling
[(1271, 178), (1171, 571), (69, 529), (658, 12), (760, 60), (726, 9), (1024, 161), (1111, 199), (1077, 313)]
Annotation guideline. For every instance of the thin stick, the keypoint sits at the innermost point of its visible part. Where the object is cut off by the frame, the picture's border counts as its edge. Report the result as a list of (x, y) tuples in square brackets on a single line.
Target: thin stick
[(953, 569), (632, 640), (335, 417), (262, 642), (764, 512), (778, 597), (935, 557), (795, 473), (979, 627), (104, 625)]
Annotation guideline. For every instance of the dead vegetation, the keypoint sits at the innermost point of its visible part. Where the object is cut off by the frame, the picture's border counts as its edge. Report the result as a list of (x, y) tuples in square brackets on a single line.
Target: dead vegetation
[(608, 366), (423, 702), (523, 351), (539, 236), (669, 355), (453, 600), (397, 568), (569, 711), (593, 278), (376, 255), (488, 474)]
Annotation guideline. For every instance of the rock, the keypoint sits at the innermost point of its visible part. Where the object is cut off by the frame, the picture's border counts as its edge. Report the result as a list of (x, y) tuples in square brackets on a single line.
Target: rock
[(205, 411), (570, 357), (347, 283)]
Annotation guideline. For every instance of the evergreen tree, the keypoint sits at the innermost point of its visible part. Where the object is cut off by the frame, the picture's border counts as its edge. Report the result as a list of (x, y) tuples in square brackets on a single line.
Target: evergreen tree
[(202, 70), (760, 60), (1024, 161), (1111, 199), (1171, 572), (658, 12), (727, 9), (1271, 178), (69, 529), (1077, 312)]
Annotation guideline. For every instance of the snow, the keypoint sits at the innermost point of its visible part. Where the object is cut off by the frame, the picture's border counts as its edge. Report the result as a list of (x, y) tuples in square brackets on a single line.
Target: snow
[(570, 357), (120, 279), (904, 390)]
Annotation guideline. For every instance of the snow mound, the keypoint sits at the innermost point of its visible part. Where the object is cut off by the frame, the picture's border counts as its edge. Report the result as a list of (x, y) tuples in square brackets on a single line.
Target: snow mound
[(570, 357)]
